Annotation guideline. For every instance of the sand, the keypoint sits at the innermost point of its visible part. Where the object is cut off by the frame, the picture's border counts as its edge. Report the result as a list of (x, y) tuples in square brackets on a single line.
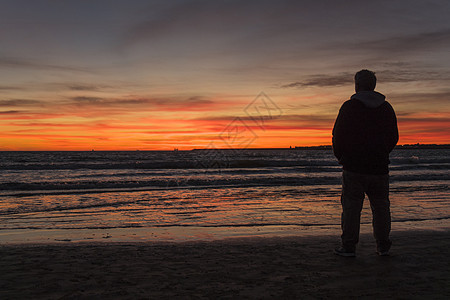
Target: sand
[(257, 268)]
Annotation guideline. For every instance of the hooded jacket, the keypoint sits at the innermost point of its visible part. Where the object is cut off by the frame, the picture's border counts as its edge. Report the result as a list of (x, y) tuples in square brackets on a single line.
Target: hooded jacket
[(365, 132)]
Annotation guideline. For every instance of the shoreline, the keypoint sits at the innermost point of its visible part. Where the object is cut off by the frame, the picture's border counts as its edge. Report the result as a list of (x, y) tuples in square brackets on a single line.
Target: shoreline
[(180, 234), (255, 267)]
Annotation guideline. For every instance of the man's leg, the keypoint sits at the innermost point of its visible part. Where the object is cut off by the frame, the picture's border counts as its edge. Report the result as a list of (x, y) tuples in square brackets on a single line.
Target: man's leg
[(352, 201), (378, 192)]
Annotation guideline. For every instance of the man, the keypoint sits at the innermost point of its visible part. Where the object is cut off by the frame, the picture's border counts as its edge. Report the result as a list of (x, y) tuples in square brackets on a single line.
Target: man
[(364, 134)]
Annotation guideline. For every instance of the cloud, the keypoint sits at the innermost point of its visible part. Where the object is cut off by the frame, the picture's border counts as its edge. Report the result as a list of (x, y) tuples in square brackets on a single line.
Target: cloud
[(436, 98), (411, 75), (425, 128), (10, 112), (10, 88), (401, 74), (429, 120), (323, 80), (283, 122), (89, 100), (189, 103), (23, 134), (232, 24), (19, 102), (86, 87), (392, 50), (86, 106), (408, 43), (10, 62), (260, 29), (202, 15), (24, 115), (158, 103), (290, 117)]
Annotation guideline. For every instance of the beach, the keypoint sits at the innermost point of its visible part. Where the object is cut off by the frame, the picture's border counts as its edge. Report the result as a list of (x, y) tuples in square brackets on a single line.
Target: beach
[(293, 267)]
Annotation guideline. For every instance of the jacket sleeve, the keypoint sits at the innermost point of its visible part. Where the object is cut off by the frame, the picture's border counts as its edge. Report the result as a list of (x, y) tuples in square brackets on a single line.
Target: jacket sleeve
[(338, 134), (392, 137)]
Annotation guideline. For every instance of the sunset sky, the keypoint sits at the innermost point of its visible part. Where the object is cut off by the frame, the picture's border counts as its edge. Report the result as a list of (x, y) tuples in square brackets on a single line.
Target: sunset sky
[(159, 75)]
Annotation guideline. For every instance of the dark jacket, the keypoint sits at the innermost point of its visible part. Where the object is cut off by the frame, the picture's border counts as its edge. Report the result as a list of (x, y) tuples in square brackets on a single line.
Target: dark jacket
[(364, 134)]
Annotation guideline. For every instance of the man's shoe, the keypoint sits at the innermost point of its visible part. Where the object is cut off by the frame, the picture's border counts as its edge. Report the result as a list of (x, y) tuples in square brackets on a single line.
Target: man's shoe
[(341, 251)]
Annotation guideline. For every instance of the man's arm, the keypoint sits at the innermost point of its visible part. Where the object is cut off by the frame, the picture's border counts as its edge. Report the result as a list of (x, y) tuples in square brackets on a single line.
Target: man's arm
[(338, 135), (392, 137)]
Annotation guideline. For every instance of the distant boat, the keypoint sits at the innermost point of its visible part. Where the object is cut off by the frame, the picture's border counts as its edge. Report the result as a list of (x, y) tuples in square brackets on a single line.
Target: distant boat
[(175, 149)]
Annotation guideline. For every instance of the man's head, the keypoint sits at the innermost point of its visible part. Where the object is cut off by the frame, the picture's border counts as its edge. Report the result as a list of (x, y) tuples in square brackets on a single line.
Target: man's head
[(365, 80)]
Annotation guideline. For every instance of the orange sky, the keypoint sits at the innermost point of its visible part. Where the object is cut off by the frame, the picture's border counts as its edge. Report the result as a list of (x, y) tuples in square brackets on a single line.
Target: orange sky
[(222, 123), (159, 75)]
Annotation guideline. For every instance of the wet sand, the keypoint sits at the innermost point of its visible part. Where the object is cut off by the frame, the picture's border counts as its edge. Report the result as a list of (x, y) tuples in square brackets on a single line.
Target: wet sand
[(287, 267)]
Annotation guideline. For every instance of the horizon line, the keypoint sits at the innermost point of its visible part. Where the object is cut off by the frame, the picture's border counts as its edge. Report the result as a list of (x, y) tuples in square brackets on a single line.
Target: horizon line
[(319, 147)]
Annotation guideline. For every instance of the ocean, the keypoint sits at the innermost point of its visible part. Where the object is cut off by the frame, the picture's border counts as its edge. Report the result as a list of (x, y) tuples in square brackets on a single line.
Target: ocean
[(202, 193)]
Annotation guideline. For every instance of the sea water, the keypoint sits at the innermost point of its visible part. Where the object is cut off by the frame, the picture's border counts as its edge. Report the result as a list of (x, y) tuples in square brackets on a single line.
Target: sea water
[(205, 189)]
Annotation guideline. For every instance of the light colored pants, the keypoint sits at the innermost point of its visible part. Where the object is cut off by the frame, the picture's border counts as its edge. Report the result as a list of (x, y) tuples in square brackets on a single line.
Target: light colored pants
[(354, 186)]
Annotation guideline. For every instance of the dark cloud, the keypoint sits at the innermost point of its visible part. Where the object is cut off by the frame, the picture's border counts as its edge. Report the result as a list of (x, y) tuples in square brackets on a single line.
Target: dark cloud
[(290, 117), (257, 27), (409, 74), (85, 99), (429, 120), (10, 88), (195, 100), (108, 102), (395, 51), (202, 15), (408, 43), (19, 102), (82, 87), (441, 94), (233, 24), (310, 117), (9, 62), (430, 100), (402, 74), (10, 112), (322, 80), (190, 103)]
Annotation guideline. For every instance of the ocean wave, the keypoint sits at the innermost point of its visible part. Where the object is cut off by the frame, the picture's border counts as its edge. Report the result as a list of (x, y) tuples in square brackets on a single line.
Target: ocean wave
[(229, 165), (69, 182), (68, 187), (165, 165)]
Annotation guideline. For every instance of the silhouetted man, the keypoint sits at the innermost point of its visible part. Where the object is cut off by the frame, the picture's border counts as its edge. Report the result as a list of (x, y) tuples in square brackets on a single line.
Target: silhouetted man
[(364, 134)]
